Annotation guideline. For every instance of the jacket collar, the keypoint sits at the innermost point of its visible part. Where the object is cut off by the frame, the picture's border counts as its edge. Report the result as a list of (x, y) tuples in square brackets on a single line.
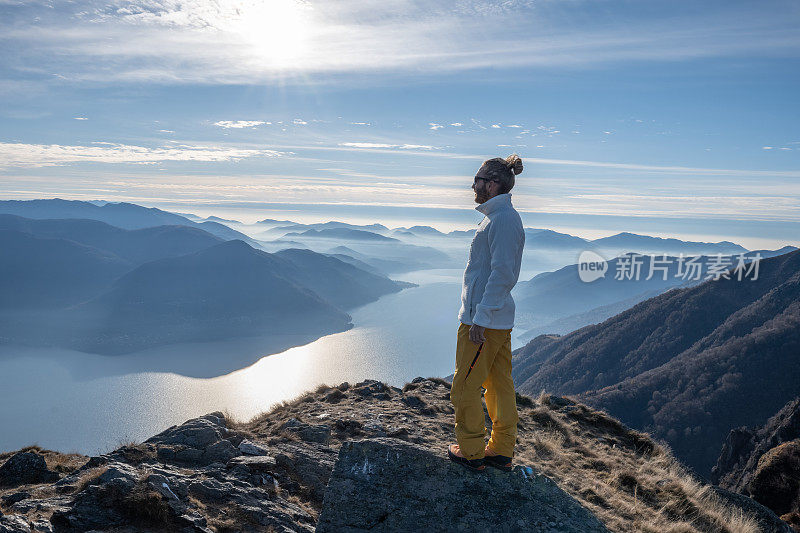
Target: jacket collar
[(493, 204)]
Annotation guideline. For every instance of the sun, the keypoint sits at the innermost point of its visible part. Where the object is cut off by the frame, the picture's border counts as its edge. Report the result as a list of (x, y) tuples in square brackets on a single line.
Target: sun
[(277, 32)]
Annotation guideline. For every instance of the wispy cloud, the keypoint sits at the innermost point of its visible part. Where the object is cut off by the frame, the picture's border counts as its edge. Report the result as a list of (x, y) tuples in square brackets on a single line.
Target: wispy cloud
[(385, 145), (238, 124), (236, 41), (439, 152), (43, 155), (668, 169)]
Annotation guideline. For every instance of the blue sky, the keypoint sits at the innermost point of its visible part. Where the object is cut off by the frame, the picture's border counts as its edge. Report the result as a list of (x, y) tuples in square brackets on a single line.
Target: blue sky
[(669, 118)]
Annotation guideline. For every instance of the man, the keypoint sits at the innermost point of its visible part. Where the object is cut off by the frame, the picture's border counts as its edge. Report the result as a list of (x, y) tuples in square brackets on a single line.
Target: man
[(483, 352)]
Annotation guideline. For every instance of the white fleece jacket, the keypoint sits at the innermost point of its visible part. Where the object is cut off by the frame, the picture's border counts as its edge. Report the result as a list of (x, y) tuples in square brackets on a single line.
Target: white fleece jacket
[(495, 257)]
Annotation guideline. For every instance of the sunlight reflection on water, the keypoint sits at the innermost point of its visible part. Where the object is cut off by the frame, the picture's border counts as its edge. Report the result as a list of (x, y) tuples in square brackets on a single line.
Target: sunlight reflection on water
[(74, 401)]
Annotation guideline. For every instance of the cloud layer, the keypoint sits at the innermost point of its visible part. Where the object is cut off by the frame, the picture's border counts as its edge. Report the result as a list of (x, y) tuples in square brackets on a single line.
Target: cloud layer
[(44, 155), (242, 41)]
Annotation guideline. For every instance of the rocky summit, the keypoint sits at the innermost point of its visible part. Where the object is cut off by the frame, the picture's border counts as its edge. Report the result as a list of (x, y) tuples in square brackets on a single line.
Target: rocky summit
[(389, 485), (371, 456)]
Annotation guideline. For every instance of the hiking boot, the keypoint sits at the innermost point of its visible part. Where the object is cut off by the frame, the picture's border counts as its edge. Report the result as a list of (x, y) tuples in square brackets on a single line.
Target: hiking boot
[(453, 452), (500, 462)]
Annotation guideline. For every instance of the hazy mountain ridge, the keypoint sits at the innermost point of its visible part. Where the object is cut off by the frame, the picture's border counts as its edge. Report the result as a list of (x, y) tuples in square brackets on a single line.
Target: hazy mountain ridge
[(570, 323), (223, 291), (631, 242), (341, 233), (137, 245), (684, 364), (561, 294), (121, 214), (343, 283), (125, 290), (40, 272)]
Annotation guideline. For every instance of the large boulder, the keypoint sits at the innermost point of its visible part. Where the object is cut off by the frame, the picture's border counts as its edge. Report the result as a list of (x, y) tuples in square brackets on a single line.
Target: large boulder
[(386, 484), (744, 448), (199, 441), (24, 468), (776, 481), (14, 524)]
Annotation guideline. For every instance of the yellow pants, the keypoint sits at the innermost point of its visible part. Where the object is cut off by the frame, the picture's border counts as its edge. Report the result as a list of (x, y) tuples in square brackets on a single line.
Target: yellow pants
[(491, 369)]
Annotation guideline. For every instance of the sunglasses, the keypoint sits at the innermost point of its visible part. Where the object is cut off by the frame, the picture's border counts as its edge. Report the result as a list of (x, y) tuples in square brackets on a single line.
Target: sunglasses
[(487, 180)]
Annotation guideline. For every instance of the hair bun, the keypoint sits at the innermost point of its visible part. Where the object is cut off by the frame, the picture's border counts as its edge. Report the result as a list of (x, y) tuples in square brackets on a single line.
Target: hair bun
[(514, 163)]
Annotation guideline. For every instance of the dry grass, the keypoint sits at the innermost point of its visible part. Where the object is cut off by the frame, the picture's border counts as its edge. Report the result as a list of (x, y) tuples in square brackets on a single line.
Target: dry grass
[(88, 477), (303, 504), (63, 463), (137, 454), (628, 480)]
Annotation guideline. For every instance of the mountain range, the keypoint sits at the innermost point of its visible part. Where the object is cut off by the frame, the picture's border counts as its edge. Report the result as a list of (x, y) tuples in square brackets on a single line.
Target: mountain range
[(120, 214), (560, 301), (688, 365), (87, 285), (340, 234)]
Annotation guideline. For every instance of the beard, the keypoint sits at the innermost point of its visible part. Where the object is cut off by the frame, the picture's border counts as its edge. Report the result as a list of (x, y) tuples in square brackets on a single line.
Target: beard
[(480, 197)]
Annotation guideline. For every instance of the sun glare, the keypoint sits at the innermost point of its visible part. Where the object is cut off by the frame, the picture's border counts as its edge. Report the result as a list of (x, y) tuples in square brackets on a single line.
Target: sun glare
[(276, 31)]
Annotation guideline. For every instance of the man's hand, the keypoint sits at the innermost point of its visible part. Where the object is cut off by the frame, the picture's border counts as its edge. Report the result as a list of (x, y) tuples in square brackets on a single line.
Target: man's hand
[(476, 334)]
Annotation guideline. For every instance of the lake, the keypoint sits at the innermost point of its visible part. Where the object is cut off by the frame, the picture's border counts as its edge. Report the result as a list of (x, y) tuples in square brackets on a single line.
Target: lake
[(73, 401)]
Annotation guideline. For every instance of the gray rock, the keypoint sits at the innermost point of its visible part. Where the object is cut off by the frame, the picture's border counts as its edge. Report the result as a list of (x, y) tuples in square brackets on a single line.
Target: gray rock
[(408, 485), (369, 387), (375, 428), (93, 508), (251, 448), (415, 402), (162, 485), (11, 499), (14, 524), (199, 441), (185, 454), (197, 521), (48, 505), (211, 490), (254, 463), (23, 468), (195, 433), (348, 426), (220, 452), (320, 433), (42, 526), (399, 433), (120, 477)]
